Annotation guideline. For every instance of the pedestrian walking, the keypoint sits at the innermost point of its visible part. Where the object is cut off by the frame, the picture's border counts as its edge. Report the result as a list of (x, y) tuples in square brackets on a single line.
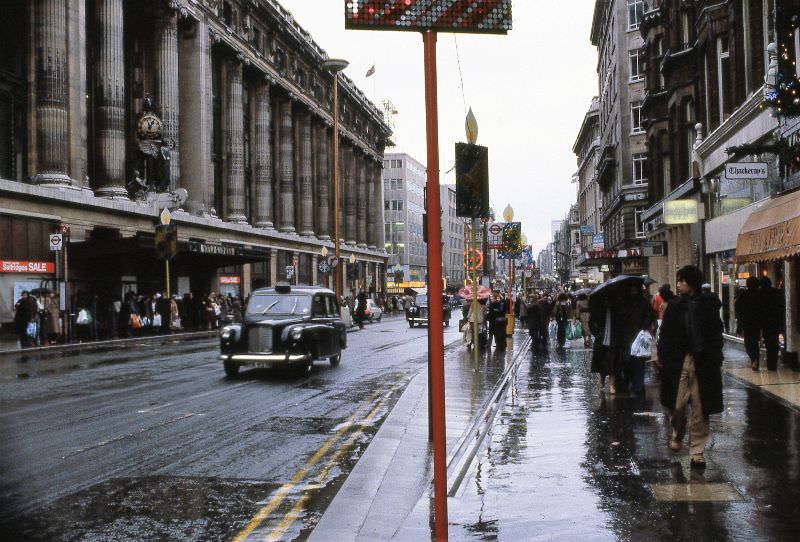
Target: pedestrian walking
[(582, 314), (748, 313), (772, 320), (631, 313), (497, 321), (545, 311), (51, 331), (690, 351), (562, 314), (360, 309), (523, 311), (476, 316)]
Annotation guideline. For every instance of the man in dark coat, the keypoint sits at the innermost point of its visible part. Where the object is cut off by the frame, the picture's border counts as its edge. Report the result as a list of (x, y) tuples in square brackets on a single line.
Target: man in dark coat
[(690, 351), (534, 323), (631, 312), (496, 317), (545, 311), (772, 320), (748, 311)]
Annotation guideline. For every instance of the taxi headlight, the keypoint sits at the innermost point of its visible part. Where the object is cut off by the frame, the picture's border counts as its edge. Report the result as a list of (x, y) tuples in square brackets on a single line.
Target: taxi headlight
[(226, 333), (296, 333)]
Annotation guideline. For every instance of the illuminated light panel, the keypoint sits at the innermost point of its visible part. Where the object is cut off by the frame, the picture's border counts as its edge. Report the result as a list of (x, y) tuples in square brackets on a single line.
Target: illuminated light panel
[(472, 16)]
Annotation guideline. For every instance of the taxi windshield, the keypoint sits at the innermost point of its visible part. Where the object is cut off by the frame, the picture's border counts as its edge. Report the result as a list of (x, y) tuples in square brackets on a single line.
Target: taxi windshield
[(279, 304), (422, 300)]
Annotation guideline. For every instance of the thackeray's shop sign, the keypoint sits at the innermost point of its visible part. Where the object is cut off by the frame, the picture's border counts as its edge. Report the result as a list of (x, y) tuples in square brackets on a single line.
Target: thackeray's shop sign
[(13, 266)]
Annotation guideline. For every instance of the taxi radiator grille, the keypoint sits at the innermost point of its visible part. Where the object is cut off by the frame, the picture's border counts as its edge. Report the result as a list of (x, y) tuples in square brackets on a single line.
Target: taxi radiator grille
[(259, 339)]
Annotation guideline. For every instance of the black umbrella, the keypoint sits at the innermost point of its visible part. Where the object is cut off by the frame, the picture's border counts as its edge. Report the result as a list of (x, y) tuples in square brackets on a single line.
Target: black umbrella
[(614, 285), (40, 291)]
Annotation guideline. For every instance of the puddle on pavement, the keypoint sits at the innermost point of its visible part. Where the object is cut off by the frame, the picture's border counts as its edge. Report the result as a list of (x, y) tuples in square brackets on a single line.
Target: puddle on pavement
[(567, 461)]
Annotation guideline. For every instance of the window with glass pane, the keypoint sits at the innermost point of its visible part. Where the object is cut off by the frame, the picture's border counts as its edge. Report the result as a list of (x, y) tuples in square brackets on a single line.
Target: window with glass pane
[(636, 118), (639, 223), (639, 161), (635, 13), (636, 65)]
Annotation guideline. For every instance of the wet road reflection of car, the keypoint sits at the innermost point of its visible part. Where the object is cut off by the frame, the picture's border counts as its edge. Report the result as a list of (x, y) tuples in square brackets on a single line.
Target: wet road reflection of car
[(285, 326)]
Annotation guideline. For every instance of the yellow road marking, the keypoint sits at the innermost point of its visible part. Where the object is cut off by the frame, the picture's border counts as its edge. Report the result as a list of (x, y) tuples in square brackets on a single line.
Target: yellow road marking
[(284, 490), (294, 513)]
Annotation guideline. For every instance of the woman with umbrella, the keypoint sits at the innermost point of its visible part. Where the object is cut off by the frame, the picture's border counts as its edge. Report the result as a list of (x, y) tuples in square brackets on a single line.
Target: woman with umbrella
[(474, 317), (618, 311)]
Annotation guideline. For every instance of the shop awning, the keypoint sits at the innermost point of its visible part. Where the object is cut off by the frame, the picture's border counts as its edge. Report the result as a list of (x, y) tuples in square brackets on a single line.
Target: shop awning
[(772, 232)]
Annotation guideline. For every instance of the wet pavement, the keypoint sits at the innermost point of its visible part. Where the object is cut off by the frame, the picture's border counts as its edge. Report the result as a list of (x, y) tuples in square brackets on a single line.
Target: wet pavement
[(563, 460)]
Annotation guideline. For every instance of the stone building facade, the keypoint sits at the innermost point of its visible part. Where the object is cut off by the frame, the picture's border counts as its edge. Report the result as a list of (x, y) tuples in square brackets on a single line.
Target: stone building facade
[(622, 155), (590, 206), (404, 181), (245, 107)]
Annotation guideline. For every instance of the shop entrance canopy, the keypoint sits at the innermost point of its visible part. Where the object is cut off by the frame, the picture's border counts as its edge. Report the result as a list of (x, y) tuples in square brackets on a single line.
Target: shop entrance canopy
[(772, 232)]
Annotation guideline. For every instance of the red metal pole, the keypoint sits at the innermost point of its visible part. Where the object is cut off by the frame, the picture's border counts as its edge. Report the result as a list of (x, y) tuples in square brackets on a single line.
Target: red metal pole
[(435, 288)]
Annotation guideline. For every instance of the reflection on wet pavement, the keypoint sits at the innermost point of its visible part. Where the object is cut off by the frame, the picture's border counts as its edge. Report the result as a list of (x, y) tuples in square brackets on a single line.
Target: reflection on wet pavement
[(565, 461)]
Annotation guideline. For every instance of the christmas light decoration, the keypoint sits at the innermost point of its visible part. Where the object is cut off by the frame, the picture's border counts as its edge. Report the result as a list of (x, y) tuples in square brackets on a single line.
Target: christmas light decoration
[(783, 76)]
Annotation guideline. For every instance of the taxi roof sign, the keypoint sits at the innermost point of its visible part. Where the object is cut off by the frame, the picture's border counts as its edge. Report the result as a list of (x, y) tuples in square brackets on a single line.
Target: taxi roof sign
[(476, 17)]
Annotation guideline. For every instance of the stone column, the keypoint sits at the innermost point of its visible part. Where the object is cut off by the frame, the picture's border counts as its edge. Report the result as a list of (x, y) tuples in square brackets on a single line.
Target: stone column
[(361, 203), (372, 223), (77, 62), (263, 157), (306, 222), (167, 94), (286, 188), (234, 146), (52, 117), (377, 179), (324, 185), (314, 275), (350, 196), (273, 266), (196, 118), (110, 100)]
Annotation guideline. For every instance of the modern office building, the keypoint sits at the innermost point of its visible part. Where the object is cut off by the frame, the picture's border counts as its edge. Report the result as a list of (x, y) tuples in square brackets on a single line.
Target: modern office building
[(404, 204), (219, 110), (452, 238)]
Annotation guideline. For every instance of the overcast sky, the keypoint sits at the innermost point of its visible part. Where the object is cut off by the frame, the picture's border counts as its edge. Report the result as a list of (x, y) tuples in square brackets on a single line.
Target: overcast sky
[(529, 91)]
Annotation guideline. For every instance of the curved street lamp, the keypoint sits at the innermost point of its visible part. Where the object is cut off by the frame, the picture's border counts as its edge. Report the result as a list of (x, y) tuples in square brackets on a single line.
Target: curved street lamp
[(335, 65)]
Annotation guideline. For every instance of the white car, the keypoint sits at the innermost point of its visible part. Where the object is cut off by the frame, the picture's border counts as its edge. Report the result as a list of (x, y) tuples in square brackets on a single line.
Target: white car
[(375, 312)]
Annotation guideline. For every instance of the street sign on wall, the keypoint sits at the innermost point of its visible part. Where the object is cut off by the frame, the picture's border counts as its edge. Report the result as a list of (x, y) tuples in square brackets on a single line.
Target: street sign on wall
[(56, 242), (681, 211), (476, 16), (746, 171)]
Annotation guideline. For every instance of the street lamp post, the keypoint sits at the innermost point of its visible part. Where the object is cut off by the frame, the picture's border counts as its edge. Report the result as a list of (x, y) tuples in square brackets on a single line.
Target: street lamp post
[(335, 65)]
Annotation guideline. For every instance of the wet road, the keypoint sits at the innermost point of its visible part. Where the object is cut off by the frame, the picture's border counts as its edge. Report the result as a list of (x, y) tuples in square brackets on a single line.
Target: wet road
[(566, 461), (144, 444)]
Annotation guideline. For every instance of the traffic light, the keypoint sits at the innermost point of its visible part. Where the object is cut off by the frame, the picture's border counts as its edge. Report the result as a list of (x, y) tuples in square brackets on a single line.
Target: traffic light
[(472, 180), (166, 241)]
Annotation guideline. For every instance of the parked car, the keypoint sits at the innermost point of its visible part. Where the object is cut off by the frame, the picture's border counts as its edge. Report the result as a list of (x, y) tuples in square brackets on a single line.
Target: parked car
[(418, 314), (285, 326), (375, 312)]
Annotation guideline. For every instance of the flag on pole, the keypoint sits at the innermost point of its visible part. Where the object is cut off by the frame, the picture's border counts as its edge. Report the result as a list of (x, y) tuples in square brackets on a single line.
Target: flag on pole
[(371, 71)]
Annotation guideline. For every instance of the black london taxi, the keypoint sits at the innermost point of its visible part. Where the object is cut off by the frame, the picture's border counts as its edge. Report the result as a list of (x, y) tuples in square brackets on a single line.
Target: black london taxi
[(285, 326), (418, 314)]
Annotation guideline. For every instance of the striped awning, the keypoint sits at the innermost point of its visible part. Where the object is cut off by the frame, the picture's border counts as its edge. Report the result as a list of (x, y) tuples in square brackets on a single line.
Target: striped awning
[(772, 232)]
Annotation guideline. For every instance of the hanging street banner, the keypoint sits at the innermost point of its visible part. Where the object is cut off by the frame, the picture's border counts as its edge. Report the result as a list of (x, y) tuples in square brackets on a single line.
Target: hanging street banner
[(512, 241), (474, 17)]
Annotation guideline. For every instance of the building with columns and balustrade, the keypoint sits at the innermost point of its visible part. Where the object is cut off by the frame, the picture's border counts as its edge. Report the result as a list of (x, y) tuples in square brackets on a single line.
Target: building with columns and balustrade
[(246, 115)]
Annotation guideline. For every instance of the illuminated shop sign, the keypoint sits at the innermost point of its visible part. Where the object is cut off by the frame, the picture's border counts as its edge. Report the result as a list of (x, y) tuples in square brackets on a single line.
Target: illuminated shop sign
[(476, 16)]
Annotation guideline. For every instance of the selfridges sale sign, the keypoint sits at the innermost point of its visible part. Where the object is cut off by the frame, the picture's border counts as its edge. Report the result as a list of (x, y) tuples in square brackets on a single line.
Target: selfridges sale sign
[(13, 266)]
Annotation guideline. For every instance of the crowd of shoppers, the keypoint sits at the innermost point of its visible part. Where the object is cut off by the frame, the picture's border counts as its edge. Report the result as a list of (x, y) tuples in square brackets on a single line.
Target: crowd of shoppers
[(38, 320)]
